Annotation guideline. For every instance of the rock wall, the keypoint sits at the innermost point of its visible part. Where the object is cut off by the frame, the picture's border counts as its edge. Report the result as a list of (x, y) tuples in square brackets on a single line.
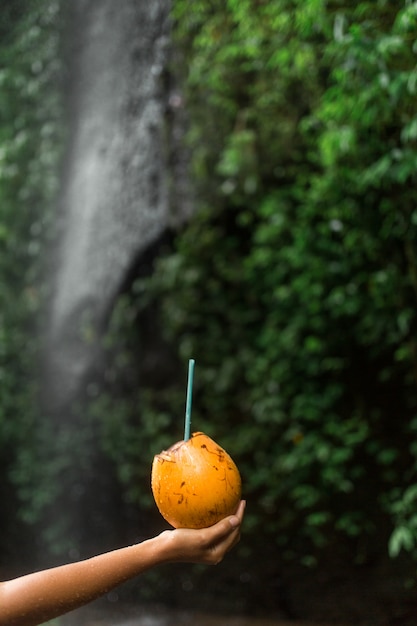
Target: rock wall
[(116, 192), (117, 201)]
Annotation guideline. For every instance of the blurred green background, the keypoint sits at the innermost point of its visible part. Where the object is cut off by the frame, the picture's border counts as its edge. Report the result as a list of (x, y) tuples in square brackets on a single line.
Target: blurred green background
[(293, 285)]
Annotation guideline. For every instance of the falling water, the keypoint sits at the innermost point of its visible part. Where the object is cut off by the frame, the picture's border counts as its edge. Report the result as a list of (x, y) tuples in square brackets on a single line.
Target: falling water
[(115, 198)]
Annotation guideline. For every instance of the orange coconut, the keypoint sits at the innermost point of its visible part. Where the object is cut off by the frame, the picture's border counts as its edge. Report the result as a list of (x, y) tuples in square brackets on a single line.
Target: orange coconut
[(195, 483)]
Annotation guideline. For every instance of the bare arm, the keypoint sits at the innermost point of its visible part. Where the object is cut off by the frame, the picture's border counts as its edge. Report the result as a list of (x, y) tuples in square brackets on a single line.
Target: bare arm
[(36, 598)]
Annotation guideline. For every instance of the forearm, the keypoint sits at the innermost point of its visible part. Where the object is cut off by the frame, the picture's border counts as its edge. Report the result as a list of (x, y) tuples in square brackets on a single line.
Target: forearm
[(35, 598)]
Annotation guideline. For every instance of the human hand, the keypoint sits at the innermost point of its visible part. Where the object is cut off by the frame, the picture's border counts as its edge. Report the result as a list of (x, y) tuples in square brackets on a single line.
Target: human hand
[(206, 545), (39, 597)]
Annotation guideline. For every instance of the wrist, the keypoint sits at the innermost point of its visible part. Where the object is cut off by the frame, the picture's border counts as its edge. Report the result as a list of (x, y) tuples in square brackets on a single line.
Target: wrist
[(168, 546), (163, 547)]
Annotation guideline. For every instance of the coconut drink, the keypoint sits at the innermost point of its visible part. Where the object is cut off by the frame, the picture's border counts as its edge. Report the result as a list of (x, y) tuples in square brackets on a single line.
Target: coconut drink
[(195, 483)]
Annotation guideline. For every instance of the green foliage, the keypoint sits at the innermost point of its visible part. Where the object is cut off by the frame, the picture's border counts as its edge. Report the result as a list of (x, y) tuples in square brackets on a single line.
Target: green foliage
[(295, 284), (28, 154)]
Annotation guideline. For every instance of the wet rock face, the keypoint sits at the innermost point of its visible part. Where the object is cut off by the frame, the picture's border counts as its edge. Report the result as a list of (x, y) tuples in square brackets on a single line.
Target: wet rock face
[(113, 214), (114, 200)]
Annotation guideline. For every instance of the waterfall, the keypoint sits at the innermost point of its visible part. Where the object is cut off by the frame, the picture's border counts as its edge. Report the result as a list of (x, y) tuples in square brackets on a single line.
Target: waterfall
[(115, 199)]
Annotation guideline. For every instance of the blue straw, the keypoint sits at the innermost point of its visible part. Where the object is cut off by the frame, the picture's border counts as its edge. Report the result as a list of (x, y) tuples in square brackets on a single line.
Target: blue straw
[(189, 399)]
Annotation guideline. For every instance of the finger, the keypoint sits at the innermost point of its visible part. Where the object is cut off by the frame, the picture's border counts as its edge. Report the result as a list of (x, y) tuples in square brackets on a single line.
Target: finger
[(241, 510), (229, 542), (227, 530), (233, 521), (222, 531), (236, 519)]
